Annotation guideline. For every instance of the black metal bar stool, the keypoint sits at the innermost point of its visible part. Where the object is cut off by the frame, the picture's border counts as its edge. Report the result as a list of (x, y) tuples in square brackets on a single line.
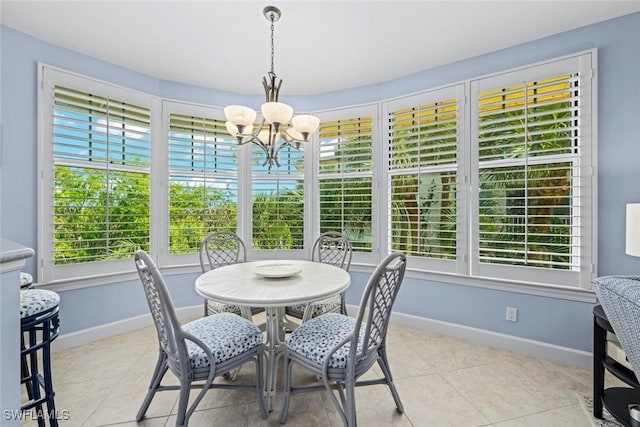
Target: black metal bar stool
[(39, 327)]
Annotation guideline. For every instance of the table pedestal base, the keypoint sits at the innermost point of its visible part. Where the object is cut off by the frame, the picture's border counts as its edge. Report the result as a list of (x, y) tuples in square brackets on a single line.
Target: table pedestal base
[(276, 330)]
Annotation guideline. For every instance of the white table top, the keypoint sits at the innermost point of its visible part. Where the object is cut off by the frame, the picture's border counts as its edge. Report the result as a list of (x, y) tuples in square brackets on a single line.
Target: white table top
[(238, 284)]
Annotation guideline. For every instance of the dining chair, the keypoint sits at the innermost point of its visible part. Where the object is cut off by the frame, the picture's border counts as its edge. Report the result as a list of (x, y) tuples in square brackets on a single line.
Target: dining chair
[(199, 351), (331, 247), (340, 349), (216, 250)]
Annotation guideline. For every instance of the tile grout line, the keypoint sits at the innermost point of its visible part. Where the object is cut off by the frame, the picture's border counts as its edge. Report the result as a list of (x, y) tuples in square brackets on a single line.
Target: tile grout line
[(462, 395)]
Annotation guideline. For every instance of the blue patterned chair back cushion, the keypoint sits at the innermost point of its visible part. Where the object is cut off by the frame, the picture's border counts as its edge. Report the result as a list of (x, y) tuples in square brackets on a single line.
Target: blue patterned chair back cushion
[(620, 299), (34, 301)]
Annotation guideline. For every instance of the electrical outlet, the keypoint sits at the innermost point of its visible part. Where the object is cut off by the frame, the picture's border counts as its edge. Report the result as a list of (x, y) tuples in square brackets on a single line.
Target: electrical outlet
[(512, 314)]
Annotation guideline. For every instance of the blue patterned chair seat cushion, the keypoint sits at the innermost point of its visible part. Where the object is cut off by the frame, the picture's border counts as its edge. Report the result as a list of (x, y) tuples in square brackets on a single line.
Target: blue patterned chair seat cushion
[(226, 334), (315, 338), (34, 301), (214, 307), (317, 307)]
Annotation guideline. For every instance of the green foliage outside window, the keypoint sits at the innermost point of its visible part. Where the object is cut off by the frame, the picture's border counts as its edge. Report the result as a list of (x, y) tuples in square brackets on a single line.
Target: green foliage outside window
[(278, 220), (423, 180), (345, 180), (99, 214), (526, 212), (194, 212)]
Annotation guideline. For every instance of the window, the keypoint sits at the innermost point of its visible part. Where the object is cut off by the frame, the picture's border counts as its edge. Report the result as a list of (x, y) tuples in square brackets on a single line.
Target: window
[(532, 156), (424, 166), (203, 182), (482, 182), (97, 177), (345, 176), (277, 200)]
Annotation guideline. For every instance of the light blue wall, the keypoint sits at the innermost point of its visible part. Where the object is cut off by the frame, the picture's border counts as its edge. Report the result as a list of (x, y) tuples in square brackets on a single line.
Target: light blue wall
[(95, 306), (552, 320)]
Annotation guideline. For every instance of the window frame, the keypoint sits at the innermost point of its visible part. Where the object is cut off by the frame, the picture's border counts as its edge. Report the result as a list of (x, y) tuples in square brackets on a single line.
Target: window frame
[(464, 273), (246, 215), (583, 63), (51, 77), (169, 107), (456, 91), (345, 113), (277, 175)]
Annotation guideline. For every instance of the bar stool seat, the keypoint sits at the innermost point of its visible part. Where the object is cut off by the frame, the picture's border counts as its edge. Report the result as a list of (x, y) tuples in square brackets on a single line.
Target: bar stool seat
[(34, 301), (39, 327)]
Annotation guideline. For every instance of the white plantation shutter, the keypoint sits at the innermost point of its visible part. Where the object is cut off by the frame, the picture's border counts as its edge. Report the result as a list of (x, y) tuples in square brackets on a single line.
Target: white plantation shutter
[(345, 178), (533, 154), (424, 137), (203, 183), (277, 200), (101, 150), (483, 182), (96, 170)]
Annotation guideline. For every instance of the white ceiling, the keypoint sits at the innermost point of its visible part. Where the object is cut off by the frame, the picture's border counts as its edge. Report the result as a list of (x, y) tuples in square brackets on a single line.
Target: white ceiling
[(320, 46)]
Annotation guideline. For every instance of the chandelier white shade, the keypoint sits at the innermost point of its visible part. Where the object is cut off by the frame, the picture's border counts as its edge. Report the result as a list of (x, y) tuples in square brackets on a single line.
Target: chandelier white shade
[(276, 113), (274, 132), (238, 115), (633, 229)]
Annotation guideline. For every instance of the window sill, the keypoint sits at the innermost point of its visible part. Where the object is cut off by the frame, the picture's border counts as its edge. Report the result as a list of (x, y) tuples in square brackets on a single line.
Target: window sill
[(110, 279), (573, 294), (551, 291)]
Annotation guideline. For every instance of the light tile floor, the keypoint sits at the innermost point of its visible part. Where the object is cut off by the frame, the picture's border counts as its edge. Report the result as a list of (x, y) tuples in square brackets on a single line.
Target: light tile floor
[(442, 381)]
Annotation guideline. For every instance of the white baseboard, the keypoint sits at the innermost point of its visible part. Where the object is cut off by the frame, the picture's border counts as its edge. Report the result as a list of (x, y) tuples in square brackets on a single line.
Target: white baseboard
[(552, 352), (556, 353), (97, 333)]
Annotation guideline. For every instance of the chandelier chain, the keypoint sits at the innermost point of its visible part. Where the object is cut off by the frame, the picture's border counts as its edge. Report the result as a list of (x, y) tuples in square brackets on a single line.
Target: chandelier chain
[(272, 41)]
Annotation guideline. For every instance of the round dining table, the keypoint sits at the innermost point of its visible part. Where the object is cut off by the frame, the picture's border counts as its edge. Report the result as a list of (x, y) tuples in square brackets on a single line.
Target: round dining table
[(272, 285)]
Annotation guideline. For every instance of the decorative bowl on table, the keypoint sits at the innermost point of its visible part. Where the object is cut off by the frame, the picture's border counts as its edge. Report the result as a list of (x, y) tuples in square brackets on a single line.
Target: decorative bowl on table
[(277, 270)]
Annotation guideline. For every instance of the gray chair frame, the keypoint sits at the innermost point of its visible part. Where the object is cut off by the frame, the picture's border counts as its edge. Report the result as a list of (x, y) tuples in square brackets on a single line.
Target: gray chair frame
[(371, 328), (217, 250), (331, 247), (173, 354)]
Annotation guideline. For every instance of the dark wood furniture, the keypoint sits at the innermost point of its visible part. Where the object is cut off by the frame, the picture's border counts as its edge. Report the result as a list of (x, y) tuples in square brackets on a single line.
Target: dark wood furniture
[(615, 399)]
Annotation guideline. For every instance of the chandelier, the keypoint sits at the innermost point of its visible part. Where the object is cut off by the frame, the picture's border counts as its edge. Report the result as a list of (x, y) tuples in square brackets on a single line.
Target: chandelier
[(274, 132)]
